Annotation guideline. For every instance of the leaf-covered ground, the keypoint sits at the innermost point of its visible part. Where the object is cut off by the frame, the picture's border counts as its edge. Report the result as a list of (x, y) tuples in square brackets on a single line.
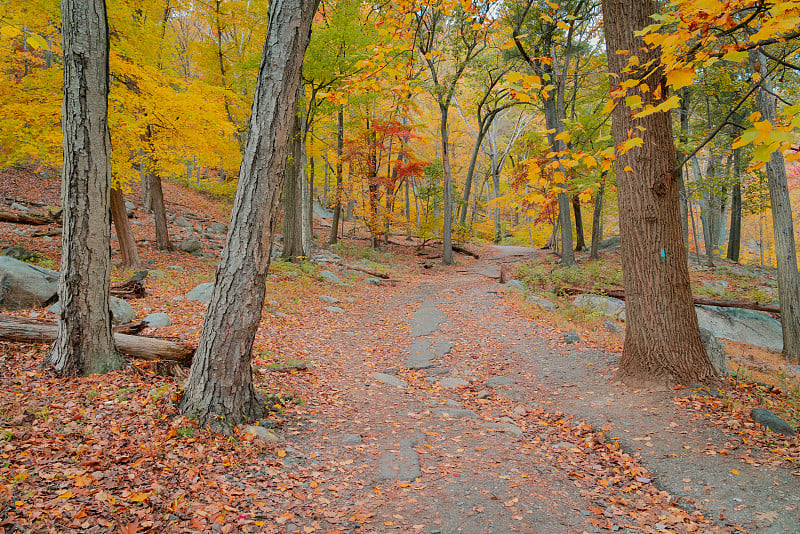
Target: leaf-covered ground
[(111, 454)]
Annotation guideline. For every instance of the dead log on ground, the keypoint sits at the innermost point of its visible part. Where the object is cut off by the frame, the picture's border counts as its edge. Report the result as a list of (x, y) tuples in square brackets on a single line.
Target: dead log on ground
[(462, 250), (145, 348), (701, 301), (132, 288), (48, 233), (32, 219), (376, 274)]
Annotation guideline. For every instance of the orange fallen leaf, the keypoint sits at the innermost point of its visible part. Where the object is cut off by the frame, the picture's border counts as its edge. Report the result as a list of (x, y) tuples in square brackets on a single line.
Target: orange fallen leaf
[(66, 495), (139, 497)]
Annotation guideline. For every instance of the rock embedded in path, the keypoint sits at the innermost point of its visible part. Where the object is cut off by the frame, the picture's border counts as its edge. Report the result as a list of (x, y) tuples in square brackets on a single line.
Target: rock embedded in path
[(402, 464), (506, 428), (183, 222), (334, 309), (458, 413), (514, 285), (767, 419), (261, 433), (571, 338), (452, 382), (426, 319), (502, 380), (351, 439), (604, 305), (329, 300), (191, 246), (390, 380), (218, 227), (373, 281)]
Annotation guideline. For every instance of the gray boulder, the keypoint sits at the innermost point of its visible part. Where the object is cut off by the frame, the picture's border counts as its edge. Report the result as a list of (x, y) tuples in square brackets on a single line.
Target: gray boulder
[(390, 380), (201, 293), (373, 281), (716, 352), (218, 227), (542, 303), (26, 286), (767, 419), (716, 287), (158, 319), (611, 326), (18, 252), (329, 299), (571, 338), (19, 207), (334, 309), (191, 246), (330, 277), (609, 244), (121, 311), (183, 222), (745, 326), (604, 305), (515, 285)]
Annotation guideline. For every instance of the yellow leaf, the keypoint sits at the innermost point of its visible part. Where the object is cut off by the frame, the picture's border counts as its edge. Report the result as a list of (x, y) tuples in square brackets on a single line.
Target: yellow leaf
[(477, 26), (9, 31), (668, 104), (590, 162), (680, 78), (563, 25), (66, 495), (734, 471), (36, 41), (139, 497), (563, 136), (281, 453)]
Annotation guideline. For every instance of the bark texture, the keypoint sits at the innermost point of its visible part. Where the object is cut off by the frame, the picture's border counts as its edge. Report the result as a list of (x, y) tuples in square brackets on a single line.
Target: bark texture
[(127, 243), (785, 252), (84, 343), (219, 392), (662, 337)]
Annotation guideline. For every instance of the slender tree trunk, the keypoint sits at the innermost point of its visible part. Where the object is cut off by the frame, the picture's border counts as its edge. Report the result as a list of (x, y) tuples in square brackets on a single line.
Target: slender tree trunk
[(85, 344), (785, 252), (662, 337), (597, 219), (219, 391), (337, 209), (311, 171), (293, 243), (735, 236), (473, 159), (159, 212), (144, 183), (580, 243), (127, 243), (447, 234), (686, 95)]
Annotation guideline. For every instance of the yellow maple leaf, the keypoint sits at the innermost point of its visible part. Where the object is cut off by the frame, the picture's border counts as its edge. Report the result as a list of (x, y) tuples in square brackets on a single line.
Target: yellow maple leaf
[(680, 78)]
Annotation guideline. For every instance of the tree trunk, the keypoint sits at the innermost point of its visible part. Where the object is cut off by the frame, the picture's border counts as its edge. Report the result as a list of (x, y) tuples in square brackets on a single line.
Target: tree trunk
[(735, 236), (580, 243), (144, 183), (159, 212), (337, 209), (785, 252), (597, 221), (473, 159), (293, 245), (85, 344), (219, 390), (127, 243), (447, 234), (662, 337), (686, 95)]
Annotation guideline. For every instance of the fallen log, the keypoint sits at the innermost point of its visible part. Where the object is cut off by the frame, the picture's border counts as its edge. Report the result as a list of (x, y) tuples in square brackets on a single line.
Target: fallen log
[(132, 288), (146, 348), (462, 250), (48, 233), (701, 301), (33, 219), (376, 274)]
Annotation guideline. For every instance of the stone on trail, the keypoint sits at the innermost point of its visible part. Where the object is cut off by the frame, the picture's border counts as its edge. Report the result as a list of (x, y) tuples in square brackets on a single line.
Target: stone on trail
[(604, 305), (426, 319), (191, 246), (458, 413), (183, 222), (261, 433), (611, 326), (334, 309), (201, 293), (505, 427), (571, 338), (18, 252), (329, 300), (502, 380), (420, 355), (390, 380), (373, 281), (769, 420), (403, 465), (453, 382), (351, 439)]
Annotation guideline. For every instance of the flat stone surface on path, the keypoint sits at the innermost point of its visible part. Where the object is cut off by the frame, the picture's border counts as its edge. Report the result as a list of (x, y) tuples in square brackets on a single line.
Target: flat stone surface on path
[(426, 319), (401, 463)]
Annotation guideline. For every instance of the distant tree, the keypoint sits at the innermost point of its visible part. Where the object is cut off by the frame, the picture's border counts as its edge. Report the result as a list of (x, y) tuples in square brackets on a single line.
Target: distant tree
[(219, 391), (662, 337), (85, 344)]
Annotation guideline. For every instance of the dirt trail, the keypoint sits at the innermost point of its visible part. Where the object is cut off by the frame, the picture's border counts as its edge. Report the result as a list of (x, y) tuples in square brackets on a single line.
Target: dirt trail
[(428, 445)]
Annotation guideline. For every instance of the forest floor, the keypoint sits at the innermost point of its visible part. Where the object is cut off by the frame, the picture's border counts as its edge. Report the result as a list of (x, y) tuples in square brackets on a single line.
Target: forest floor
[(437, 403)]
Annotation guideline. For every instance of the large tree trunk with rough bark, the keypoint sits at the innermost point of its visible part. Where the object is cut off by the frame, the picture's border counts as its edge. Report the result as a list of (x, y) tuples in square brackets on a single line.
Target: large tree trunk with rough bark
[(735, 234), (85, 344), (127, 243), (447, 232), (159, 212), (597, 220), (662, 337), (293, 243), (785, 252), (219, 391)]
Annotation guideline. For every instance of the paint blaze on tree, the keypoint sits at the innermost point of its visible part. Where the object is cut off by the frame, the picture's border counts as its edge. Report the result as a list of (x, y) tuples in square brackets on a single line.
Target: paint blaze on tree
[(662, 337), (85, 344), (219, 391)]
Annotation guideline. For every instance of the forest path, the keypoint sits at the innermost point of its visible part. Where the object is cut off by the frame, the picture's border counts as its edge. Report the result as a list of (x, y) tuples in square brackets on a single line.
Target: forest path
[(455, 413)]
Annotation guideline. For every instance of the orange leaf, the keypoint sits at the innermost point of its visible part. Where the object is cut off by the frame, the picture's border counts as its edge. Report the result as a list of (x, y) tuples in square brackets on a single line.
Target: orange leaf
[(139, 497), (66, 495)]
